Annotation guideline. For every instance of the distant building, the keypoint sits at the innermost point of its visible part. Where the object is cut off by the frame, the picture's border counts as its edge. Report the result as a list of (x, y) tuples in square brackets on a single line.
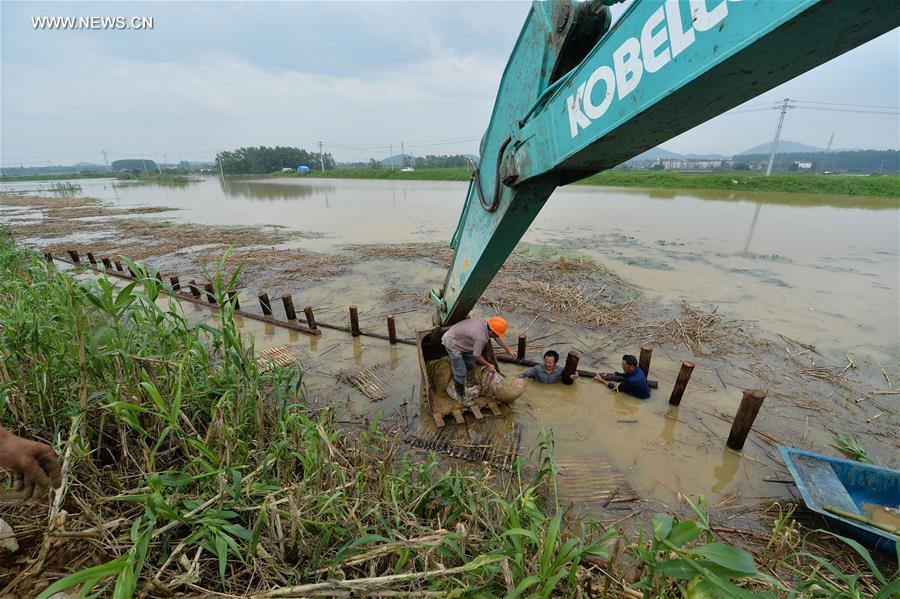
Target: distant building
[(803, 166), (687, 164)]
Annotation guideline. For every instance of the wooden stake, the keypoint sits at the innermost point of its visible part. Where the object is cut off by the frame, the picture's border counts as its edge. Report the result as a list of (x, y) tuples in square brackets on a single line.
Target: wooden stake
[(210, 292), (265, 304), (193, 287), (107, 264), (571, 368), (743, 420), (392, 330), (684, 375), (73, 254), (92, 259), (119, 266), (644, 360), (520, 351), (310, 318), (176, 285), (49, 257), (354, 322), (289, 306)]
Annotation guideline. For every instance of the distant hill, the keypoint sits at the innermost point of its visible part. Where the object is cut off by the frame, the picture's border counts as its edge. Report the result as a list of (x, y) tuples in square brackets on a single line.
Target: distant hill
[(784, 147), (656, 153), (660, 153)]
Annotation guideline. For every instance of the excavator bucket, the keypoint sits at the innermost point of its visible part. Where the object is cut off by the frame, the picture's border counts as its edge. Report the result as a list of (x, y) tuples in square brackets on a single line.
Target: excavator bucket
[(436, 374)]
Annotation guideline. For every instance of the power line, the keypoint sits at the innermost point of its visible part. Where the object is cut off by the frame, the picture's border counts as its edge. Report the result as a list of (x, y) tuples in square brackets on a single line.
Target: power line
[(852, 105), (822, 108)]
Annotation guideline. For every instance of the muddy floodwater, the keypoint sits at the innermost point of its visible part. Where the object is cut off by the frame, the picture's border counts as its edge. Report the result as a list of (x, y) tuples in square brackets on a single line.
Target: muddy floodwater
[(820, 270), (825, 269)]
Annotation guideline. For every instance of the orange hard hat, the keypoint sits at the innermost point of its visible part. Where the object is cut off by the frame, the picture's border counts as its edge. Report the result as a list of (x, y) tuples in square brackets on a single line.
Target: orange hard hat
[(498, 325)]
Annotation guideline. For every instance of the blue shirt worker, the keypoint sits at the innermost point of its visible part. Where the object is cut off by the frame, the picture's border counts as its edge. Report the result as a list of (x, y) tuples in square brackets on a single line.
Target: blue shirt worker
[(549, 372), (632, 382), (464, 342)]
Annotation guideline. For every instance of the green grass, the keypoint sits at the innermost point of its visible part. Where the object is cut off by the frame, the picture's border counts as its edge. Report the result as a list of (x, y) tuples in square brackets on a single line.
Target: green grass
[(189, 469), (430, 174), (54, 177), (888, 186)]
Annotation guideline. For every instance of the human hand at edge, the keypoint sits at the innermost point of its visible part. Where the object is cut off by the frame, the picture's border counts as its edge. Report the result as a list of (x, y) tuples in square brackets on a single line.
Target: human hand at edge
[(34, 465)]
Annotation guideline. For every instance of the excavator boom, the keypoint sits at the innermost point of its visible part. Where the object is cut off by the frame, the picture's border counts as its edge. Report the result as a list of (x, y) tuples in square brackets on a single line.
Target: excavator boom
[(580, 96)]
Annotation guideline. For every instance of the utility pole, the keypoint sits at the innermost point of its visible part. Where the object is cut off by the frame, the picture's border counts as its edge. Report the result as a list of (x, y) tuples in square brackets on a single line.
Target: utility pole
[(391, 155), (321, 157), (784, 108), (143, 163), (403, 155), (221, 172), (828, 150), (106, 160)]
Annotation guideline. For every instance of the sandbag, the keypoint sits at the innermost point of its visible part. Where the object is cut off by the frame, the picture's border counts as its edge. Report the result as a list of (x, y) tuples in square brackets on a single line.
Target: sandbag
[(503, 388)]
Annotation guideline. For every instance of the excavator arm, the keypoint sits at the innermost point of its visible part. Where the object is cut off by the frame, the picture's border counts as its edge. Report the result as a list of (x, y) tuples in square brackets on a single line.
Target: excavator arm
[(579, 96)]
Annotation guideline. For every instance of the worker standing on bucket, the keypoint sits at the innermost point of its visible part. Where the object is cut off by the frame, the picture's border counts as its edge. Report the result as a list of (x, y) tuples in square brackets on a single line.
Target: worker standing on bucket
[(464, 342)]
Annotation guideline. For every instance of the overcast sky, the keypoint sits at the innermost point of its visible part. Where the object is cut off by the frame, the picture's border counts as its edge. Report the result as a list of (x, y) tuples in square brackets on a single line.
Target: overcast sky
[(359, 76)]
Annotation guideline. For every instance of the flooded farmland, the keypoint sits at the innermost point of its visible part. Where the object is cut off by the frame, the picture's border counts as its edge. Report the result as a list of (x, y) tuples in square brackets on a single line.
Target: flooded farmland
[(811, 267), (815, 278)]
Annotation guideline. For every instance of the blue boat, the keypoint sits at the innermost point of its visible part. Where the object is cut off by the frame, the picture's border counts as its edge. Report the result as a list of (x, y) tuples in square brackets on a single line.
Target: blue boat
[(853, 488)]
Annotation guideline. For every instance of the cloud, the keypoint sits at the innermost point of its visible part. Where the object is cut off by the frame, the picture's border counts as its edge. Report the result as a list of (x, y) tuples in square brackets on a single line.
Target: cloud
[(220, 75)]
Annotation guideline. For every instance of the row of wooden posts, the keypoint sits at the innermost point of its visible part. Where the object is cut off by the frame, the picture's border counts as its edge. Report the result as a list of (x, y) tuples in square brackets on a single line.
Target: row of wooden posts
[(751, 401), (194, 294), (743, 421)]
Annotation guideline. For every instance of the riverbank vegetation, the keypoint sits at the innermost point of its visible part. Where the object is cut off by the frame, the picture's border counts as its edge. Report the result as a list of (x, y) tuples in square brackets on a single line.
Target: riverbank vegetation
[(879, 186), (189, 467)]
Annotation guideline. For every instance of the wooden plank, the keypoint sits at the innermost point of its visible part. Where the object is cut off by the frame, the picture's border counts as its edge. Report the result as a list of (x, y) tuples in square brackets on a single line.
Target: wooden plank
[(439, 419), (495, 409), (457, 415), (476, 412)]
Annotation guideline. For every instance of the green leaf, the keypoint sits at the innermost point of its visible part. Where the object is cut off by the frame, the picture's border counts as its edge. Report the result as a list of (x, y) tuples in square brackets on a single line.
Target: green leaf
[(523, 586), (662, 526), (686, 569), (726, 556), (87, 577), (238, 531), (675, 568), (891, 590), (684, 532), (864, 553), (520, 532), (222, 554)]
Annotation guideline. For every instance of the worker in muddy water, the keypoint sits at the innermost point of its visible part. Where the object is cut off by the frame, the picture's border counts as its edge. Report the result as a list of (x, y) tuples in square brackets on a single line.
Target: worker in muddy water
[(548, 373), (34, 465), (465, 342), (632, 381)]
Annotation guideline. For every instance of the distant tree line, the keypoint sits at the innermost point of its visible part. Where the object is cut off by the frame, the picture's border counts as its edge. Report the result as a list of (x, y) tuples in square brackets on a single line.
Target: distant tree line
[(855, 161), (257, 160), (134, 164)]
